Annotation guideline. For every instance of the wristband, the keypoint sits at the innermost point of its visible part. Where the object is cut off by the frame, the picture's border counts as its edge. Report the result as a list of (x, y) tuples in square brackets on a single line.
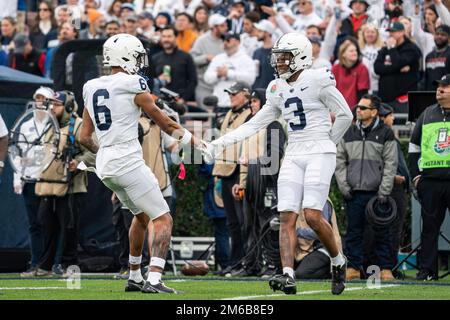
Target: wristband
[(186, 139)]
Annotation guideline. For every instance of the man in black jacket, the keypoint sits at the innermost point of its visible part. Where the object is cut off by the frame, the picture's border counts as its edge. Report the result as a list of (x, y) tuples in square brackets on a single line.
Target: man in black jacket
[(351, 25), (397, 64), (26, 58), (174, 68), (429, 156), (437, 62)]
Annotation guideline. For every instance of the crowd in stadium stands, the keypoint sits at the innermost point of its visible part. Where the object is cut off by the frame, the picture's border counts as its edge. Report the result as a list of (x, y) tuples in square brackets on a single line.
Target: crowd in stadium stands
[(378, 51)]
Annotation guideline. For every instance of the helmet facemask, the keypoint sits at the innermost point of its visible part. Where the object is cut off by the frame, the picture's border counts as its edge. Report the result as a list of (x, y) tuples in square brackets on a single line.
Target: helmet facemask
[(283, 63), (140, 62)]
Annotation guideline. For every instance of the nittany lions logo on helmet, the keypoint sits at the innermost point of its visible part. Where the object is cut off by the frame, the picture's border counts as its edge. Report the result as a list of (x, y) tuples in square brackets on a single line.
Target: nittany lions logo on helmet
[(291, 53), (125, 51)]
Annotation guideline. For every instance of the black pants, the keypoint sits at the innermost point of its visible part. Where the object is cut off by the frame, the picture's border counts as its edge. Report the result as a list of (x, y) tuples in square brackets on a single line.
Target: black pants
[(235, 219), (401, 197), (222, 238), (434, 196), (316, 265), (256, 224), (32, 202), (60, 216)]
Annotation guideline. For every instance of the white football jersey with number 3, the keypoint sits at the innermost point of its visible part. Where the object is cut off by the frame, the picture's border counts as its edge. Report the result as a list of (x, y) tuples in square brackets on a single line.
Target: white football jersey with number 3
[(305, 105)]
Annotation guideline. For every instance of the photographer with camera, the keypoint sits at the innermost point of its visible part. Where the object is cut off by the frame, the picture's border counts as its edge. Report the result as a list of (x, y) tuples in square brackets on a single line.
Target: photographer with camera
[(24, 182), (62, 187)]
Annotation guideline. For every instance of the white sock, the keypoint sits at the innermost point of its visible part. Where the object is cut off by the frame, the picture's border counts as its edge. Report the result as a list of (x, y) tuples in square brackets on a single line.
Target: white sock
[(154, 277), (136, 275), (289, 271), (339, 260)]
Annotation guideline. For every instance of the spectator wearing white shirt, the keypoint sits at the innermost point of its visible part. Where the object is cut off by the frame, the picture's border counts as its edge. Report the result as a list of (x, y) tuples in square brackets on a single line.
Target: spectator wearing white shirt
[(370, 43), (205, 48), (249, 39), (318, 61), (423, 38), (229, 67), (306, 17)]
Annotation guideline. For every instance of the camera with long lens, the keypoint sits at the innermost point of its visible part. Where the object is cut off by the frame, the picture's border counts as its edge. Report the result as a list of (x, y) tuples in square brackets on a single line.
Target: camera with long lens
[(169, 98)]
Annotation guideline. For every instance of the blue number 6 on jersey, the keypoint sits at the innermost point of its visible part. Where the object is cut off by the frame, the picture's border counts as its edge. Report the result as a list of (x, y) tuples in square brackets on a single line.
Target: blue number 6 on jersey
[(299, 113), (102, 113)]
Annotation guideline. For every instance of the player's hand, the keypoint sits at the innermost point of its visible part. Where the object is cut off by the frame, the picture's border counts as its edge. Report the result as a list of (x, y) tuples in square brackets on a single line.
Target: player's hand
[(207, 151), (73, 165)]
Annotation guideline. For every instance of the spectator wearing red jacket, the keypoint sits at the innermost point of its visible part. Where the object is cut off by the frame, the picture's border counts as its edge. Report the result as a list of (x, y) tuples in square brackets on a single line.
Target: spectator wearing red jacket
[(352, 76), (24, 57)]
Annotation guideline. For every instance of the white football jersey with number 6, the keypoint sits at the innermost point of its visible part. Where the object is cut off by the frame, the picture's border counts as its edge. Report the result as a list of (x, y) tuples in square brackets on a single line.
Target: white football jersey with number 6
[(110, 103)]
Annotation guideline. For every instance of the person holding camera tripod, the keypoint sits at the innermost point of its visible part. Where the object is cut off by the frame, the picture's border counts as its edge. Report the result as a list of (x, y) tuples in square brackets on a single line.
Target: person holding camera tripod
[(429, 160), (62, 187)]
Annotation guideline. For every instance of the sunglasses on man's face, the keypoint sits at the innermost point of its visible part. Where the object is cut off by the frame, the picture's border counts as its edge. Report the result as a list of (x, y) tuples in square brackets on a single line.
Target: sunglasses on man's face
[(363, 108), (44, 9)]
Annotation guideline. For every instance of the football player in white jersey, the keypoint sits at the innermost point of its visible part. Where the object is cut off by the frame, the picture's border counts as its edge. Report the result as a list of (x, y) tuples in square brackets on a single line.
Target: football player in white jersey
[(305, 97), (113, 105)]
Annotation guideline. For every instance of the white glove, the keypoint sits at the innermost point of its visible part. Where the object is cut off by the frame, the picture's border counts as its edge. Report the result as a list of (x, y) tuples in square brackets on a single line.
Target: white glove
[(207, 150)]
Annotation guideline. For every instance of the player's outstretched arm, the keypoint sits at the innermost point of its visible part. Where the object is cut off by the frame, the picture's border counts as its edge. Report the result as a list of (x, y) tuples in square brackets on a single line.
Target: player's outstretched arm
[(87, 129), (175, 130), (261, 120)]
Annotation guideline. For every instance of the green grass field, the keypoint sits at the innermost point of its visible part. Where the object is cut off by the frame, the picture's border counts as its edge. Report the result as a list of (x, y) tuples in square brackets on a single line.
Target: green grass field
[(204, 288)]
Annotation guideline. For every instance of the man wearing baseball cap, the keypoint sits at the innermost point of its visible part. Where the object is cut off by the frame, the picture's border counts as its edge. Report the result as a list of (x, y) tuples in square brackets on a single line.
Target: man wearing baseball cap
[(205, 48), (26, 58), (146, 27), (264, 70), (437, 62), (397, 64), (350, 26), (228, 67), (429, 161), (227, 168)]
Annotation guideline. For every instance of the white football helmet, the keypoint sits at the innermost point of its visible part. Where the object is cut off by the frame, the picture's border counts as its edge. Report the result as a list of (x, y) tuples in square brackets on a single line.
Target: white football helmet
[(294, 50), (125, 51)]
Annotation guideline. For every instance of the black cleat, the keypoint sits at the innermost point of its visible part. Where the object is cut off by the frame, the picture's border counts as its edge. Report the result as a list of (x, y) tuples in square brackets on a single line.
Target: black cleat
[(283, 282), (338, 278), (134, 286), (160, 287), (424, 275)]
